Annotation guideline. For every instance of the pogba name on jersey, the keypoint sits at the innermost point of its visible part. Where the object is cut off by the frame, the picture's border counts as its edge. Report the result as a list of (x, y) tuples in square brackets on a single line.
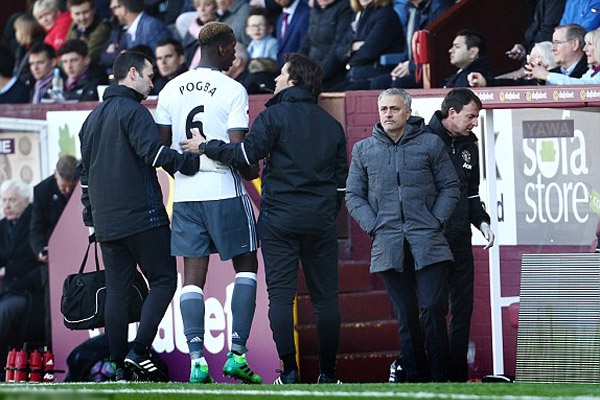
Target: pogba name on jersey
[(199, 87)]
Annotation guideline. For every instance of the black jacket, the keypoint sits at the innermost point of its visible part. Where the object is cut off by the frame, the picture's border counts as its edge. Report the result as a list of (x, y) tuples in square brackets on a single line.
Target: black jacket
[(48, 205), (304, 177), (120, 149), (327, 27), (23, 272), (481, 64), (464, 153), (580, 68), (85, 89)]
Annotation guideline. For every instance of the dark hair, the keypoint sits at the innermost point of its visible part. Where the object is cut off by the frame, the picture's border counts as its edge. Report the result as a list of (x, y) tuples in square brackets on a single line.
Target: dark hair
[(457, 99), (74, 46), (574, 31), (66, 166), (214, 34), (473, 39), (170, 41), (260, 11), (126, 60), (7, 61), (39, 48), (71, 3), (145, 50), (132, 5), (305, 72)]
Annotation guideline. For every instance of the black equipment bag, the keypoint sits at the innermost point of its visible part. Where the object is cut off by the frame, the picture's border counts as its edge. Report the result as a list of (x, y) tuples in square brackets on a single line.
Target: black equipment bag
[(84, 296)]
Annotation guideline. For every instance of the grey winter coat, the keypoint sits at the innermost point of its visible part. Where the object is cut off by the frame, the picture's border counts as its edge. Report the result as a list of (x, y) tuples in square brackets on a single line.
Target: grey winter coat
[(405, 190)]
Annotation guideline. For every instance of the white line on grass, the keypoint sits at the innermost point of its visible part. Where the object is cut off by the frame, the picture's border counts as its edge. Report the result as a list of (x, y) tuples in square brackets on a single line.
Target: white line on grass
[(287, 393)]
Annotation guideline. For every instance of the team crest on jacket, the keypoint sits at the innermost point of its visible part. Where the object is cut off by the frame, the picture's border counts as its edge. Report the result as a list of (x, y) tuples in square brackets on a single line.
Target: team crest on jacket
[(466, 156)]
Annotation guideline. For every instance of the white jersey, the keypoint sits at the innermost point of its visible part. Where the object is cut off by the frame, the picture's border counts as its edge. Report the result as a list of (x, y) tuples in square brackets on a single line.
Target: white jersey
[(207, 99)]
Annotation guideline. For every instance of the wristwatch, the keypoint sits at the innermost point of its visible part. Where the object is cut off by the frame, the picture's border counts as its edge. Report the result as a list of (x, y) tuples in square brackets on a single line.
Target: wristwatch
[(202, 148)]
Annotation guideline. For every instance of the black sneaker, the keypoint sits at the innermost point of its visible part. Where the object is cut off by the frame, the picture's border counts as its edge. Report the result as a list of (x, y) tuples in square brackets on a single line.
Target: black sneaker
[(286, 379), (124, 375), (323, 378), (144, 367), (397, 374)]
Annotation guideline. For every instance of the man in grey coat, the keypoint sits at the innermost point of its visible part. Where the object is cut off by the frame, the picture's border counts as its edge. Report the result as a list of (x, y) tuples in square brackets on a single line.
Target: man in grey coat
[(401, 190)]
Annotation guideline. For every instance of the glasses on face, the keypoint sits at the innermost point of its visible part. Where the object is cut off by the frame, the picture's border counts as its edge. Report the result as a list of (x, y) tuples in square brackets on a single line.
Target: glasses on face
[(555, 43), (257, 26)]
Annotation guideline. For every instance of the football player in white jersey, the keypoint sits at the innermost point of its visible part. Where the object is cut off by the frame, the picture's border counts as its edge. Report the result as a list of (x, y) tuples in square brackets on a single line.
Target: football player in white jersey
[(212, 212)]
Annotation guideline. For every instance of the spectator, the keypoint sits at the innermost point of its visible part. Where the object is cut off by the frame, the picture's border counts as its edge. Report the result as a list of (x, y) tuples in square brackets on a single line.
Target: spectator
[(468, 55), (50, 197), (212, 211), (541, 52), (370, 35), (120, 149), (42, 61), (12, 90), (546, 17), (83, 78), (453, 124), (206, 11), (291, 26), (260, 30), (402, 9), (402, 189), (88, 26), (134, 27), (304, 182), (591, 77), (585, 13), (55, 22), (22, 291), (27, 33), (234, 13), (420, 13), (567, 46), (170, 60), (328, 23)]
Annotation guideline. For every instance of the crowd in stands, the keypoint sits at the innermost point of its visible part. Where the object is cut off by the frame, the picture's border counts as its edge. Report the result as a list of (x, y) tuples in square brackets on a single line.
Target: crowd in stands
[(350, 39)]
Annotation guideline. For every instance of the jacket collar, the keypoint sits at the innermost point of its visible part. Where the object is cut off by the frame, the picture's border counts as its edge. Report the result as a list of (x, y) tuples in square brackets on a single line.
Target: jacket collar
[(122, 91), (292, 94)]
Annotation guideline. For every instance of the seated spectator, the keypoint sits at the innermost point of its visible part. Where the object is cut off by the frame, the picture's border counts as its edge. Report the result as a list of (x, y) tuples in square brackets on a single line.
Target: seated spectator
[(55, 22), (170, 61), (468, 55), (12, 90), (50, 197), (541, 52), (291, 27), (257, 74), (27, 33), (234, 13), (88, 26), (83, 78), (376, 30), (329, 21), (134, 27), (585, 13), (260, 30), (42, 60), (591, 77), (546, 17), (420, 13), (401, 8), (206, 11), (23, 296)]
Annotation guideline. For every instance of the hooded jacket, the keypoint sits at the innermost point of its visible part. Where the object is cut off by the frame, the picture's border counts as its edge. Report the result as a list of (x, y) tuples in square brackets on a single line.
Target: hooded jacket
[(464, 154), (120, 149), (402, 191)]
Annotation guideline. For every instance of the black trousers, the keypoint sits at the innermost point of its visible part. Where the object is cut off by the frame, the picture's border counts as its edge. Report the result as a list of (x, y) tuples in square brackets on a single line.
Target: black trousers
[(151, 250), (420, 302), (460, 286), (319, 256)]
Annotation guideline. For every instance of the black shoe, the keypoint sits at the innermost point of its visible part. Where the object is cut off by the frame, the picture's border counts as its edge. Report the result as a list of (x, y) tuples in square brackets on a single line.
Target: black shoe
[(144, 367), (124, 375), (323, 378), (286, 379), (397, 374)]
